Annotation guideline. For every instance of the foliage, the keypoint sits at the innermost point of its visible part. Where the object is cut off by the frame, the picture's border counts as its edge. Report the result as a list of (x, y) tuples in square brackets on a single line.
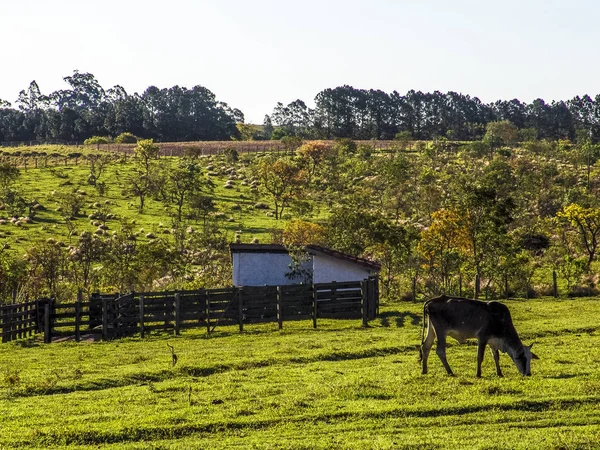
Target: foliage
[(500, 133), (297, 233), (126, 138), (231, 155), (70, 203), (587, 223), (282, 179), (94, 140)]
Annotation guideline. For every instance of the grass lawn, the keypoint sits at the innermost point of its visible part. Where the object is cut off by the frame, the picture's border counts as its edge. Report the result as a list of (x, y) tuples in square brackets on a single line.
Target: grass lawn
[(339, 386)]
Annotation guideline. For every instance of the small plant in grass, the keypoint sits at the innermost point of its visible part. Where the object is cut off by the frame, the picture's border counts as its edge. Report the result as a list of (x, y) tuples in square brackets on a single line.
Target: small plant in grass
[(11, 377)]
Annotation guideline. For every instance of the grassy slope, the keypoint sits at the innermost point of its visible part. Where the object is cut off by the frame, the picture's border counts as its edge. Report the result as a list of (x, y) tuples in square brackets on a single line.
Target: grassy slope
[(339, 386), (40, 183)]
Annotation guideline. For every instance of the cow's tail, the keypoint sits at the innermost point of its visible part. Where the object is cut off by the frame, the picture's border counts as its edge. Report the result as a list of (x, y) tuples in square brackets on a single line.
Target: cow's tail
[(425, 317)]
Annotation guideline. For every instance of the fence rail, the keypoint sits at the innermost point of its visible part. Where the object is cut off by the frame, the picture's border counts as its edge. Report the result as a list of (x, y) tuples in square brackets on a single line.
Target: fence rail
[(119, 315)]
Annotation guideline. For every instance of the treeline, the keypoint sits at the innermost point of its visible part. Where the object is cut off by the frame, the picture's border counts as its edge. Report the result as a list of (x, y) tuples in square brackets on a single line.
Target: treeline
[(86, 109), (347, 112)]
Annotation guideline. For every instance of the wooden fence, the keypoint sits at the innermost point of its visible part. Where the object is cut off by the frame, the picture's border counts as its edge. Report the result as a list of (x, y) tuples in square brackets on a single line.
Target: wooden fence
[(114, 316)]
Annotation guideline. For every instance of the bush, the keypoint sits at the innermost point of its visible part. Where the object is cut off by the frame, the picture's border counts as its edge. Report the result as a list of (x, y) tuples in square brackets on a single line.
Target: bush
[(231, 155), (126, 138), (97, 140)]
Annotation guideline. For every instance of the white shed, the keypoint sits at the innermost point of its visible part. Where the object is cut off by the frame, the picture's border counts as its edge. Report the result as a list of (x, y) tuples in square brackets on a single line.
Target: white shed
[(271, 264)]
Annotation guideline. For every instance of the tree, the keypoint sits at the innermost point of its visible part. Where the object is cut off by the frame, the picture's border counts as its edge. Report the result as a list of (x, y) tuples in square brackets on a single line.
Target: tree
[(282, 179), (47, 264), (89, 250), (314, 152), (444, 245), (501, 133), (267, 127), (145, 152), (144, 182), (97, 165), (9, 174), (183, 183), (587, 223), (298, 233)]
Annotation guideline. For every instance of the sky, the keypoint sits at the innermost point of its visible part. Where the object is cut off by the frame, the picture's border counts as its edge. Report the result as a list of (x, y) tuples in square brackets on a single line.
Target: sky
[(253, 54)]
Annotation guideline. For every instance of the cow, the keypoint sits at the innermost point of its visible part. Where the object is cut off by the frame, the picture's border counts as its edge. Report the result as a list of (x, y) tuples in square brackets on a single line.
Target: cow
[(462, 318)]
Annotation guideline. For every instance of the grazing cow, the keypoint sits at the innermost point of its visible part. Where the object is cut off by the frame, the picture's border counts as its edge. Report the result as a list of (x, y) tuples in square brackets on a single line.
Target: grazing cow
[(462, 319)]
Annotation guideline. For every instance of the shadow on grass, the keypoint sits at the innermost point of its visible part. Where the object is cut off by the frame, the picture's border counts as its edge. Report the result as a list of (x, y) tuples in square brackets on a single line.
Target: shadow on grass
[(562, 376), (27, 343), (137, 433), (142, 378), (399, 318)]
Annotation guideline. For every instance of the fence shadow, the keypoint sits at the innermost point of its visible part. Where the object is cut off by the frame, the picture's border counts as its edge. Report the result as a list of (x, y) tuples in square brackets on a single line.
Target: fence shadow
[(399, 318)]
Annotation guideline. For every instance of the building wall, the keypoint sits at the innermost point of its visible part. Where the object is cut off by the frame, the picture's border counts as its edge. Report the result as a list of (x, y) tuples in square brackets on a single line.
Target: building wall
[(258, 269), (327, 269)]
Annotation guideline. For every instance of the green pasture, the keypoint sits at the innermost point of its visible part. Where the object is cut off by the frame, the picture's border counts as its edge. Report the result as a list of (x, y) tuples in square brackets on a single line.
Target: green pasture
[(339, 386)]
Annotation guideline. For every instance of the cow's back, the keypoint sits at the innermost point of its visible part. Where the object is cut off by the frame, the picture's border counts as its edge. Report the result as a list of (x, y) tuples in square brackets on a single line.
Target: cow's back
[(465, 318)]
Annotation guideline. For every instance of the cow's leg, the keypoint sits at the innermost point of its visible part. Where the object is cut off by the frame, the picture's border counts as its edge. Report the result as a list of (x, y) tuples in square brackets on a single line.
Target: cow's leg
[(480, 352), (441, 352), (426, 346), (496, 354)]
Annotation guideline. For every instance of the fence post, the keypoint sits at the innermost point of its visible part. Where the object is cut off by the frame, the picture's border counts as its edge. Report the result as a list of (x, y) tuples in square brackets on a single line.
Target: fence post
[(207, 304), (168, 307), (95, 308), (78, 316), (104, 319), (314, 306), (13, 327), (2, 323), (241, 307), (19, 318), (47, 324), (364, 290), (279, 308), (177, 314), (142, 316)]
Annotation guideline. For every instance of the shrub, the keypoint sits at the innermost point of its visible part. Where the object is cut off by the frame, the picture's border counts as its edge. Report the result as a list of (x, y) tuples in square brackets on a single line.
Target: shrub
[(231, 155), (96, 140), (126, 138)]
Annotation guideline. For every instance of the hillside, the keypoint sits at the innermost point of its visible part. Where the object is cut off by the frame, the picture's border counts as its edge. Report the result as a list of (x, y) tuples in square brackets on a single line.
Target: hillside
[(441, 216)]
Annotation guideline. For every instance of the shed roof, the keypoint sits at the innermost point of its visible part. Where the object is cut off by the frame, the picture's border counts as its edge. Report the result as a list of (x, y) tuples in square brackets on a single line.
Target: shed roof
[(311, 249)]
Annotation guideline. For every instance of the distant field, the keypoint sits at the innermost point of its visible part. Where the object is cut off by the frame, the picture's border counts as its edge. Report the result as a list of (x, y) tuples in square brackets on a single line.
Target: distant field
[(339, 386)]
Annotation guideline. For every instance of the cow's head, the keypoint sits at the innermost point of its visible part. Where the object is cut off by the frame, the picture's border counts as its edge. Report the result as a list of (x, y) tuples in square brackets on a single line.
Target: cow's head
[(522, 359)]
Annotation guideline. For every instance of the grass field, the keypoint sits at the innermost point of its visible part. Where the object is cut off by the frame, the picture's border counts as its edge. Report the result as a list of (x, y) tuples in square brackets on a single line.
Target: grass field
[(339, 386)]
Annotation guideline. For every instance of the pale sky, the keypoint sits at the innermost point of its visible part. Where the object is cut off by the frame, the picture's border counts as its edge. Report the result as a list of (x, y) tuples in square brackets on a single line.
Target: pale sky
[(252, 54)]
